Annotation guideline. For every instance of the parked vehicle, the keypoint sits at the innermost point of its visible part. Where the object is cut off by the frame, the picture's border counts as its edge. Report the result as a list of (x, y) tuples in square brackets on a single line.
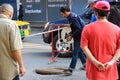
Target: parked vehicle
[(24, 28)]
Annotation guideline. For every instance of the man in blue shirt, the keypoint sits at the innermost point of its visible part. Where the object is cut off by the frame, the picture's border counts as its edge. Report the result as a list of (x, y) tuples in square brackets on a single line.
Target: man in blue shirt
[(76, 25)]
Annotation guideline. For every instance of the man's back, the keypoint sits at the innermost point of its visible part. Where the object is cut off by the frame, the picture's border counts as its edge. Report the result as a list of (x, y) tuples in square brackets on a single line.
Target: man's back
[(8, 42), (101, 43), (102, 35), (103, 38), (10, 46)]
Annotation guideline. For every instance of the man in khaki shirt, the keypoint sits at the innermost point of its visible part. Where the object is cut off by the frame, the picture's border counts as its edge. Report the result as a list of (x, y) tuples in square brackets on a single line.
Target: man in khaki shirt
[(11, 64)]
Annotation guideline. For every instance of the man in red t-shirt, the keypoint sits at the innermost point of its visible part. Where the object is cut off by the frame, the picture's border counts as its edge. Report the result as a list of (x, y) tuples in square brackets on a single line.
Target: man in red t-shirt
[(100, 41)]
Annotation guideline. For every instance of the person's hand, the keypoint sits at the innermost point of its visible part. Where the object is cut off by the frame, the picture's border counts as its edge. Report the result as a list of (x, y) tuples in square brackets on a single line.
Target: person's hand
[(109, 64), (100, 66), (22, 71), (69, 37)]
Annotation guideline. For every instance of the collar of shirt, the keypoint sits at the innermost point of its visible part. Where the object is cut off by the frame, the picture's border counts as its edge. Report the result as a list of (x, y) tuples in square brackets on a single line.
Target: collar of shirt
[(3, 16)]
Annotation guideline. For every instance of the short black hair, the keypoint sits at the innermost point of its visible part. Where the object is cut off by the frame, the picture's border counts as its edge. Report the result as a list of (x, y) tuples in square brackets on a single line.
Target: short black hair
[(63, 9), (101, 13)]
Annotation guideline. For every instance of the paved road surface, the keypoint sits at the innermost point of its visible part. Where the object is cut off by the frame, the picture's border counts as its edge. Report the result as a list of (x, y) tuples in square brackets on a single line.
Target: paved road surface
[(36, 55)]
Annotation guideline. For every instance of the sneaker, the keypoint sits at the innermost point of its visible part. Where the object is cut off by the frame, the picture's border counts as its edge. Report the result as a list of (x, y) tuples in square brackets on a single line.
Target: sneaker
[(83, 67), (68, 72)]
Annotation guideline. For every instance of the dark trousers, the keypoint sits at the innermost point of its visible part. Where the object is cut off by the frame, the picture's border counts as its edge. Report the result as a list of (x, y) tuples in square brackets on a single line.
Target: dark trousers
[(118, 67), (77, 52), (17, 78)]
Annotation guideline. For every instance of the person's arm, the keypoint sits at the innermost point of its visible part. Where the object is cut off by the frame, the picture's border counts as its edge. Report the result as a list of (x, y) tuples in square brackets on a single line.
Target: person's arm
[(18, 57), (117, 55), (87, 14), (76, 25), (114, 59), (90, 57), (16, 45)]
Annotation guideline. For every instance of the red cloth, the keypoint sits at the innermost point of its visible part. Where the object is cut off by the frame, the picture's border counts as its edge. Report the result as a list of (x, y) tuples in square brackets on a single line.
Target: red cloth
[(102, 38)]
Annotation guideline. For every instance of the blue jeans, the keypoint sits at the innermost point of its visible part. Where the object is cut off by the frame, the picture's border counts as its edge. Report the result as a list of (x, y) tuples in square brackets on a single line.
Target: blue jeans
[(77, 52), (17, 77)]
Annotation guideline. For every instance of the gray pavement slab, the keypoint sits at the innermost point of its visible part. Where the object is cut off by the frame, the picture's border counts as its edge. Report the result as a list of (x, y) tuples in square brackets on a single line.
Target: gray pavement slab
[(36, 55)]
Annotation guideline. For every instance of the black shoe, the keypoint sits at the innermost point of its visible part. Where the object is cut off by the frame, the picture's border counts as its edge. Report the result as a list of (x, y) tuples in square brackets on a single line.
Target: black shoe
[(68, 72)]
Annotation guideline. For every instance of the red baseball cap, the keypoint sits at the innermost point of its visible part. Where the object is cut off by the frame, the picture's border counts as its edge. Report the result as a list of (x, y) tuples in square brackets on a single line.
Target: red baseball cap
[(102, 5)]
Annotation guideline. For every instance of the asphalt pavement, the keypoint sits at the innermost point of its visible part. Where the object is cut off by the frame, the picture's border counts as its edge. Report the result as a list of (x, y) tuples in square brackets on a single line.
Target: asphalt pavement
[(36, 55)]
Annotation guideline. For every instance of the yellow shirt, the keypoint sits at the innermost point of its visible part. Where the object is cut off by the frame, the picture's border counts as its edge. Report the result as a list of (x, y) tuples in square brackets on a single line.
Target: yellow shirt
[(9, 40)]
